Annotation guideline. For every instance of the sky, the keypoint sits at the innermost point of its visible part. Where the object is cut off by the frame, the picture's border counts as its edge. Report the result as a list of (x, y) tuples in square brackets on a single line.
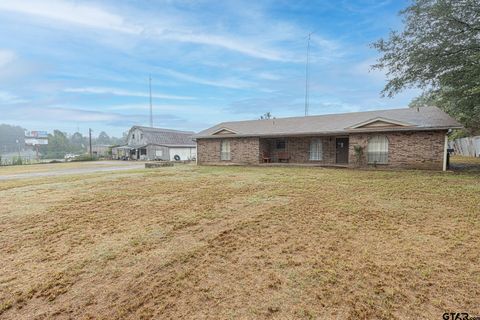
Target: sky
[(74, 65)]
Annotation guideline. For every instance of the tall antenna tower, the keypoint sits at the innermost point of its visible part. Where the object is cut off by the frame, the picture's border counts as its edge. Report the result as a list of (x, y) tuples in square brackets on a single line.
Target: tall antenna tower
[(151, 109), (307, 76)]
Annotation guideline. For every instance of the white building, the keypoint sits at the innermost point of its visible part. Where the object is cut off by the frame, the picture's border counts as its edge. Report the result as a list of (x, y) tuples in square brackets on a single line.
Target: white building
[(145, 143)]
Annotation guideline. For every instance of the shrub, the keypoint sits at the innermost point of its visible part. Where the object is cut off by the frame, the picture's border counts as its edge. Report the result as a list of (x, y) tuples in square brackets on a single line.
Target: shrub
[(358, 149), (17, 161), (84, 157)]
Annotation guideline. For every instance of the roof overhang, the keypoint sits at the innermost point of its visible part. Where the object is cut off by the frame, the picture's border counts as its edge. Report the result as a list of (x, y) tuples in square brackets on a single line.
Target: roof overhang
[(123, 147), (164, 145), (328, 133)]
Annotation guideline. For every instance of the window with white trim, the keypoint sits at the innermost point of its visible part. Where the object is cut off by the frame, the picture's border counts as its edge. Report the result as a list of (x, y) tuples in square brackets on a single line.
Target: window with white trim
[(377, 150), (316, 150), (225, 150)]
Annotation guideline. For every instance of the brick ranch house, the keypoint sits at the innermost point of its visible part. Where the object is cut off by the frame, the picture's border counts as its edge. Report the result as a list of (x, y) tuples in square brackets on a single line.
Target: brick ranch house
[(398, 138)]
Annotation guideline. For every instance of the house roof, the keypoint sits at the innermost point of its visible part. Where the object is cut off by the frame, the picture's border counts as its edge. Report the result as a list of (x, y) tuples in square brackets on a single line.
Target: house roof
[(424, 118), (166, 137)]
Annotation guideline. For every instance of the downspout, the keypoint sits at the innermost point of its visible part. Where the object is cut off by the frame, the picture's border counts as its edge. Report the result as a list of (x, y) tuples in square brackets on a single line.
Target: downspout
[(196, 152), (445, 151)]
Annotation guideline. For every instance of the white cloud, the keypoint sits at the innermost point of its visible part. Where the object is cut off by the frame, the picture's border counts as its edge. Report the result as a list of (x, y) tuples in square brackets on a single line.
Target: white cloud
[(126, 93), (6, 57), (70, 12), (230, 42), (225, 83), (364, 69), (186, 109), (169, 28), (8, 98), (268, 76), (76, 114)]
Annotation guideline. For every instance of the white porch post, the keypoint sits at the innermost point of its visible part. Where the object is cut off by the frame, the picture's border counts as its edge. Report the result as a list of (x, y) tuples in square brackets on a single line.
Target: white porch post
[(445, 153)]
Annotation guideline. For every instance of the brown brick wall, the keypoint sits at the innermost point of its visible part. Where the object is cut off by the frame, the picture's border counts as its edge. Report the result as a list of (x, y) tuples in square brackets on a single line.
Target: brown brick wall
[(298, 149), (416, 149), (420, 149), (242, 150)]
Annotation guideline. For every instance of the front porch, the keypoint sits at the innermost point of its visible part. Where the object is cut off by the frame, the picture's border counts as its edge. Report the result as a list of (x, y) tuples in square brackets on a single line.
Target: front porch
[(307, 165), (306, 151)]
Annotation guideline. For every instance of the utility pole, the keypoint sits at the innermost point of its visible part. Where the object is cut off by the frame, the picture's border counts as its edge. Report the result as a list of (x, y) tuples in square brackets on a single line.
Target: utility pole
[(90, 141), (151, 109), (307, 76)]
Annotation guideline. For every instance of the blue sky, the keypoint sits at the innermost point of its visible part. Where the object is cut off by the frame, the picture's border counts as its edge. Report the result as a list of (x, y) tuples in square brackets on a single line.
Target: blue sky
[(79, 64)]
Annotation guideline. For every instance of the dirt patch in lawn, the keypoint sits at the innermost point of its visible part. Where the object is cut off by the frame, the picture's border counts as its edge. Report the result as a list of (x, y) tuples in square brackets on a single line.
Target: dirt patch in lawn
[(462, 163), (235, 242)]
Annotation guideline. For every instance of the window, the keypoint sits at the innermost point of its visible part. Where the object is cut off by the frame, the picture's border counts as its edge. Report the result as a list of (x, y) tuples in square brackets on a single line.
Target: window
[(141, 136), (133, 136), (280, 144), (377, 150), (316, 150), (143, 152), (225, 150)]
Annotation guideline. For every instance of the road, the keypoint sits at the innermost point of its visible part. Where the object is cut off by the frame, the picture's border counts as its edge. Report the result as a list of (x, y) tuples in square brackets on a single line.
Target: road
[(60, 169)]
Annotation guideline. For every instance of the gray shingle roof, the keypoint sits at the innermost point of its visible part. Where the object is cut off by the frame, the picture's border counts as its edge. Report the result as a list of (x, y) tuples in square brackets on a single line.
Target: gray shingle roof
[(167, 137), (426, 118)]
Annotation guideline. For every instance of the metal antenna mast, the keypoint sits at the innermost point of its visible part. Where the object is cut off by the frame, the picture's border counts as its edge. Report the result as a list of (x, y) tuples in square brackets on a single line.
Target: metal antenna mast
[(307, 76), (151, 109)]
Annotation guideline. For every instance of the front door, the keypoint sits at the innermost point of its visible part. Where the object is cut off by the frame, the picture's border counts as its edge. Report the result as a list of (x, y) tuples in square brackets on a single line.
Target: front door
[(341, 150)]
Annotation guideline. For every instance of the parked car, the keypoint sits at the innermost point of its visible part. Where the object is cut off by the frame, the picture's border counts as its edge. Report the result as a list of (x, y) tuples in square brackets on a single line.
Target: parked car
[(70, 156)]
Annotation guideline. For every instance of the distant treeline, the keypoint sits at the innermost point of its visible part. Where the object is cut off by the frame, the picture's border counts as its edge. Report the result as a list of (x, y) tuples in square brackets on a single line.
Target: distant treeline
[(12, 139)]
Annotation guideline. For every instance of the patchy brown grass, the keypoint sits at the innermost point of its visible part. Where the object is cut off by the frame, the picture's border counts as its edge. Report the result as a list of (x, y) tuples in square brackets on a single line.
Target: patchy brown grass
[(235, 242), (462, 163)]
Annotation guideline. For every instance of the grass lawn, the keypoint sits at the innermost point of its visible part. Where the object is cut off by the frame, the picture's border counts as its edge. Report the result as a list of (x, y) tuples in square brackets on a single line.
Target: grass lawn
[(241, 243)]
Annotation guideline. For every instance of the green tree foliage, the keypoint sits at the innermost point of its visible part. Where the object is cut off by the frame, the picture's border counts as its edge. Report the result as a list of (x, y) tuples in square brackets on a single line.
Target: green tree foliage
[(78, 143), (266, 116), (11, 138), (439, 52), (103, 138), (58, 146)]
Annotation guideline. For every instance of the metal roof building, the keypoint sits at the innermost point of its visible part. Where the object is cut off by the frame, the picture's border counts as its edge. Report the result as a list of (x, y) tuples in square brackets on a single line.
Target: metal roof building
[(147, 143)]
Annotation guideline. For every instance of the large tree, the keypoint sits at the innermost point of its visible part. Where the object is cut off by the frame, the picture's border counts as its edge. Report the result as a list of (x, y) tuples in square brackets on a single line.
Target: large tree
[(58, 145), (78, 143), (103, 138), (12, 138), (439, 52)]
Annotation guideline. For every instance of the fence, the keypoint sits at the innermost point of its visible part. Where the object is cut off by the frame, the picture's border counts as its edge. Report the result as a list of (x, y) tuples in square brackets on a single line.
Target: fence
[(469, 146)]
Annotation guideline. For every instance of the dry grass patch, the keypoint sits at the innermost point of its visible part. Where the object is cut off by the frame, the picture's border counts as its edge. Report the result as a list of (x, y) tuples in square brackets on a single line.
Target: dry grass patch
[(236, 242)]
